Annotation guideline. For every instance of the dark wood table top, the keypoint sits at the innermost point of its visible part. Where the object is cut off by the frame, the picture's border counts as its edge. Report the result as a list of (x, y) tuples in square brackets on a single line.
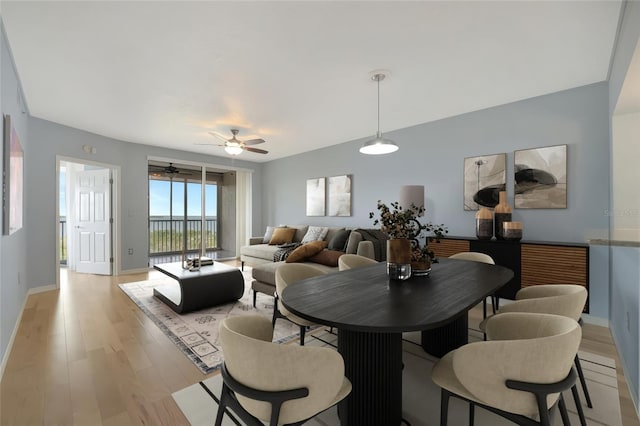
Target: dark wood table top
[(364, 299), (175, 270)]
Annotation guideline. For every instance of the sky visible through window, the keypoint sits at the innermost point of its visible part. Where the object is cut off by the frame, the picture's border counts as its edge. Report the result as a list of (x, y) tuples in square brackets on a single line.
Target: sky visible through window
[(159, 199)]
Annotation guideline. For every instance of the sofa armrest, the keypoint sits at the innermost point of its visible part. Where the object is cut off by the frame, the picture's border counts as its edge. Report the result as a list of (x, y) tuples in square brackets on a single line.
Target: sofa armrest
[(255, 240), (365, 248)]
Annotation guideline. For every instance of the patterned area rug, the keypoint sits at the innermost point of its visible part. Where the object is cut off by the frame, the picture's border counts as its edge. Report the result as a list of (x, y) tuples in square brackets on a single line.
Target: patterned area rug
[(420, 396), (196, 333)]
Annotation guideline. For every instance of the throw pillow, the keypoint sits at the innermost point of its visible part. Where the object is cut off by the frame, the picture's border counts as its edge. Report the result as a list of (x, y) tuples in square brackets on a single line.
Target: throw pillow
[(326, 257), (315, 233), (339, 240), (268, 234), (282, 236), (305, 251)]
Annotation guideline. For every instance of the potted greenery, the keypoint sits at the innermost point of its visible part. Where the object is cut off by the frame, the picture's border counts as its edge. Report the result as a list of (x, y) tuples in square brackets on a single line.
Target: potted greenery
[(403, 223)]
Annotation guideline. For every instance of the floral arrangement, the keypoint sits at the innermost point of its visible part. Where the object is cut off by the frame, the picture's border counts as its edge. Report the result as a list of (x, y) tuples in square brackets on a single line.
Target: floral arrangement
[(397, 222)]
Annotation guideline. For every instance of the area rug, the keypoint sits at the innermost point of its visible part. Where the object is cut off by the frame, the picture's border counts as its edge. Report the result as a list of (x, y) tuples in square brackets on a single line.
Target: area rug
[(196, 333), (421, 398)]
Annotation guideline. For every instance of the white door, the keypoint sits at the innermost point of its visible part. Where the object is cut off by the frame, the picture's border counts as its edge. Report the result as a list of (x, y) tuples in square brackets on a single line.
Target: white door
[(93, 222)]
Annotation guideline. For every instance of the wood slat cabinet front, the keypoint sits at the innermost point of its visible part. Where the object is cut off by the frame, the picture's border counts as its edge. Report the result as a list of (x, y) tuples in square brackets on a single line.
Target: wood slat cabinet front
[(448, 246), (554, 264)]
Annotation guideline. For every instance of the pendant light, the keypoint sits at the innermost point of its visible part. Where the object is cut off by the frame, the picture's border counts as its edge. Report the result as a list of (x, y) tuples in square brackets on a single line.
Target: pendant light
[(378, 145)]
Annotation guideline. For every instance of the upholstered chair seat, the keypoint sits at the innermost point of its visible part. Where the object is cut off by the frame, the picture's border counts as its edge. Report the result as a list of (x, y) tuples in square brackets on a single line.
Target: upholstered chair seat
[(286, 275), (351, 261), (257, 372), (524, 351)]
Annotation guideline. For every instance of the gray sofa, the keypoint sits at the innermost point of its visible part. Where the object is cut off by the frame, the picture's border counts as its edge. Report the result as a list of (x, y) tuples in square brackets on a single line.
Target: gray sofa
[(259, 255)]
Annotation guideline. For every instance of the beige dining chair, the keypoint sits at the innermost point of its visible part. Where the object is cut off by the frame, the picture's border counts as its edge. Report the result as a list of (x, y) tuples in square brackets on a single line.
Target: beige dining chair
[(352, 261), (286, 275), (518, 374), (483, 258), (560, 299), (270, 382)]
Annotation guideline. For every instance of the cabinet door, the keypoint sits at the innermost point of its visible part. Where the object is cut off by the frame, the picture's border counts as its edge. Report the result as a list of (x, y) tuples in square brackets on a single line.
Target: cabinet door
[(504, 253), (551, 264), (446, 247)]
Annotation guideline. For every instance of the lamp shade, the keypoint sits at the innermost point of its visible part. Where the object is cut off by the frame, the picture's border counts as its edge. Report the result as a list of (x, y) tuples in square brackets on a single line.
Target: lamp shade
[(412, 194), (233, 148), (378, 146)]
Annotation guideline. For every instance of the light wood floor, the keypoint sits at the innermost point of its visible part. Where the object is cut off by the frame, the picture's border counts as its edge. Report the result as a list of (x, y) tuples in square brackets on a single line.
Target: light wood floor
[(86, 355)]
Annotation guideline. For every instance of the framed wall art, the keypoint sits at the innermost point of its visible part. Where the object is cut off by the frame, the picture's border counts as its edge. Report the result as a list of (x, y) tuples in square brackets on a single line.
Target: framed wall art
[(540, 178), (13, 179), (315, 196), (484, 178), (339, 195)]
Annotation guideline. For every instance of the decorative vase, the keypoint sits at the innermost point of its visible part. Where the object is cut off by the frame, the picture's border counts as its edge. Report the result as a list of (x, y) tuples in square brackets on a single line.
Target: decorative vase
[(502, 214), (512, 231), (420, 268), (484, 224), (399, 258)]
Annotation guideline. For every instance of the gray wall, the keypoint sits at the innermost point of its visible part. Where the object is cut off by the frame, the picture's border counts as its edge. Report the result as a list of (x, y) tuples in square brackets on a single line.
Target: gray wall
[(53, 139), (13, 263), (624, 262), (432, 154)]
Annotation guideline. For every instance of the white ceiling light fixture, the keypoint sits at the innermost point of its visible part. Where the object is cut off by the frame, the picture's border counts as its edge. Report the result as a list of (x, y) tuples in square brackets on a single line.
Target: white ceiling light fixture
[(379, 145), (233, 148)]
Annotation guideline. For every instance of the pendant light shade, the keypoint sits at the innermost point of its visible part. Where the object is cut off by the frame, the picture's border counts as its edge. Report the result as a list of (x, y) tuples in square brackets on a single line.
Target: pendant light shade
[(378, 145)]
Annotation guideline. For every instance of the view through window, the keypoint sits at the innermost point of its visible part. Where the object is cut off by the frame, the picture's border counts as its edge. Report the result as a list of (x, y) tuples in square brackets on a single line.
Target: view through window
[(177, 220)]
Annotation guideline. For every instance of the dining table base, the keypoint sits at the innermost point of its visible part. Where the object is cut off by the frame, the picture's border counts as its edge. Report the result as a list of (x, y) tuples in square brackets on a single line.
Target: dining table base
[(373, 364), (441, 340)]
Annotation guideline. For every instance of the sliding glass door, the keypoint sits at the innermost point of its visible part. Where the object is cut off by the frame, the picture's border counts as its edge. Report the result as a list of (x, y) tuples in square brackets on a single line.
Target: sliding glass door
[(183, 211)]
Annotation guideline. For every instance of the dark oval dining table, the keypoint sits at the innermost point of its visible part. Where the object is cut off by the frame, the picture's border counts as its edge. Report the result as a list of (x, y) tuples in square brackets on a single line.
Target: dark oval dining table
[(371, 312)]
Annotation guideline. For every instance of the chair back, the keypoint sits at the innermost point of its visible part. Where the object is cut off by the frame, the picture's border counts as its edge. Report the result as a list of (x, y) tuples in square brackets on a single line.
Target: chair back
[(289, 273), (528, 347), (559, 299), (253, 360), (351, 261), (473, 256)]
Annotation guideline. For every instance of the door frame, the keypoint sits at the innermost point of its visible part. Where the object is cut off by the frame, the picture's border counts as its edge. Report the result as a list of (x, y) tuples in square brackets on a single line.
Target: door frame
[(115, 211)]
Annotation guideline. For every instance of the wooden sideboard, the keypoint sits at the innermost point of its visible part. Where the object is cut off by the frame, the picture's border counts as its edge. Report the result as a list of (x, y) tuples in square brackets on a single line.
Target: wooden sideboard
[(532, 262)]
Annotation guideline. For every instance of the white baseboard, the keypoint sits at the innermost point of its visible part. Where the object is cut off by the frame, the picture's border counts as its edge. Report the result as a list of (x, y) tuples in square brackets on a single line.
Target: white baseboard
[(5, 357), (590, 319)]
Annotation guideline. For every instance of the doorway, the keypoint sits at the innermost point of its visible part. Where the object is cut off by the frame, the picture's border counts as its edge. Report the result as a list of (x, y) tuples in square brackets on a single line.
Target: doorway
[(191, 212), (86, 218)]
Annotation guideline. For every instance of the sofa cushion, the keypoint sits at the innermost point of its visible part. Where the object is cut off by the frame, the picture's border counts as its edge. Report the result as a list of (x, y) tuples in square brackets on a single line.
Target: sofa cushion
[(268, 234), (282, 236), (333, 230), (262, 251), (305, 251), (326, 257), (315, 233), (301, 231), (339, 240), (266, 272)]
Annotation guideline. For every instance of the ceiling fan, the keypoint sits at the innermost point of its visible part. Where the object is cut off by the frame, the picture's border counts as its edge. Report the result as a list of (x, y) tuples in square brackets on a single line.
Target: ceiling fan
[(169, 171), (235, 146)]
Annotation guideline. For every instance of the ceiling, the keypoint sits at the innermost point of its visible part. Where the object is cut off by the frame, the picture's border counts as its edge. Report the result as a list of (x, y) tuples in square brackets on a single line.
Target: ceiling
[(294, 73)]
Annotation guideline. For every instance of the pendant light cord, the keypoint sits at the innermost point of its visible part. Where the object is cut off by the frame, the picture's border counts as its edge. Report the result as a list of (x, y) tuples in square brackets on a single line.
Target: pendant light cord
[(378, 80)]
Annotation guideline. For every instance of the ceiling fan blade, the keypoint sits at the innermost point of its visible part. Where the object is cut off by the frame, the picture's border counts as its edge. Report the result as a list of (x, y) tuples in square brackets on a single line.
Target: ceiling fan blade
[(254, 141), (256, 150), (219, 136)]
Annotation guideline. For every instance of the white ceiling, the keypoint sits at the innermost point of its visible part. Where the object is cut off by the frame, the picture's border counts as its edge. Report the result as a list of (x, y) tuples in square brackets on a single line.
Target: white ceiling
[(294, 73)]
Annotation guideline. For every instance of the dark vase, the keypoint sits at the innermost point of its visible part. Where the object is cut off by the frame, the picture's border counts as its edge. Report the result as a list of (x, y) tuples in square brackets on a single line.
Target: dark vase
[(502, 214)]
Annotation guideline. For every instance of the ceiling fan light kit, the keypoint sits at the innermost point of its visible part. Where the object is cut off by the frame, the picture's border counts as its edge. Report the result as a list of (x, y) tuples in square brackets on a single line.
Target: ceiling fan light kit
[(235, 146), (379, 145)]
